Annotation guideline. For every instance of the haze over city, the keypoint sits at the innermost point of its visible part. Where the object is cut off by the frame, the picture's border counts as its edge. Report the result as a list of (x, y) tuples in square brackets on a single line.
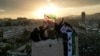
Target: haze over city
[(36, 8)]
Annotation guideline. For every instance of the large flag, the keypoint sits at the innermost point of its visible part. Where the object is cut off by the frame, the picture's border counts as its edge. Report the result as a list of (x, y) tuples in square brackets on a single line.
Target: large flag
[(69, 35), (71, 44), (49, 17)]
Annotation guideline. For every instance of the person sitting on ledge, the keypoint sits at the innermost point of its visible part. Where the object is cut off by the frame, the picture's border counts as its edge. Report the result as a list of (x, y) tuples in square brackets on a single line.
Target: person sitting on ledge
[(42, 32), (34, 36)]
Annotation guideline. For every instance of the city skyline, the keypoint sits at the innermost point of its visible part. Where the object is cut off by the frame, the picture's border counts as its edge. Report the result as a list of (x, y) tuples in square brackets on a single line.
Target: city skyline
[(29, 8)]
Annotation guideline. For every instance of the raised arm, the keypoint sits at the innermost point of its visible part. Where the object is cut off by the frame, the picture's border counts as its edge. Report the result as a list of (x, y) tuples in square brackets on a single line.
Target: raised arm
[(61, 21)]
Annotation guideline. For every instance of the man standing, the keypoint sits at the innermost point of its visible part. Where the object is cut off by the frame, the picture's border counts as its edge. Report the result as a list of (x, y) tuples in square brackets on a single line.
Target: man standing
[(67, 43)]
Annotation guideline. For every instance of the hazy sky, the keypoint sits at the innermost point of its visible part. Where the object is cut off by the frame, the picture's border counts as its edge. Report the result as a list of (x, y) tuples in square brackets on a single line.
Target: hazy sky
[(25, 8)]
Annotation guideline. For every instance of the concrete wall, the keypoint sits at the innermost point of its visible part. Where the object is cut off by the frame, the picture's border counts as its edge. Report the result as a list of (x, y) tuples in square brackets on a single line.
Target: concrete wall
[(43, 48)]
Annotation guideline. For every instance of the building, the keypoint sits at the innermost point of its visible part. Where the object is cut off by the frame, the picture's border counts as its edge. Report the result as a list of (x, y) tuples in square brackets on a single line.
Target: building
[(10, 32), (1, 32), (83, 19)]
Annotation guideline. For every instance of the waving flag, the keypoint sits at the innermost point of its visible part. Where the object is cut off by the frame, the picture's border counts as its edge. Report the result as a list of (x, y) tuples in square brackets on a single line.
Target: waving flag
[(71, 44), (49, 18)]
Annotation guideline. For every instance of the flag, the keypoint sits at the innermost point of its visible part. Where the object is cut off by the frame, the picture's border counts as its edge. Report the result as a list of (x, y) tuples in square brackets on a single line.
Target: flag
[(52, 16), (49, 16), (69, 35), (71, 44)]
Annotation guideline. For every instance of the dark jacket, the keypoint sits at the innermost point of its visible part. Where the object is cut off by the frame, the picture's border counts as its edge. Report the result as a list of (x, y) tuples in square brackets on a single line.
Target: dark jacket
[(58, 26), (42, 32), (34, 36)]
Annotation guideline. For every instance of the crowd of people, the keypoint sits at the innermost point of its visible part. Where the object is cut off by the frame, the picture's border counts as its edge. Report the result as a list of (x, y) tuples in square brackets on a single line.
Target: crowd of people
[(41, 33), (60, 30)]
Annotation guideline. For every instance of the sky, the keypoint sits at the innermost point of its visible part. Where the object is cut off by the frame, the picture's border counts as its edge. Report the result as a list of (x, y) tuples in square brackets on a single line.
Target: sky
[(29, 8)]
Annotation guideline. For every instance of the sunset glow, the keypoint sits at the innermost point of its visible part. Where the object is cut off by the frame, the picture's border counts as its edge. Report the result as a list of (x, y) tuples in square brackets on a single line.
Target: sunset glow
[(37, 8), (46, 10)]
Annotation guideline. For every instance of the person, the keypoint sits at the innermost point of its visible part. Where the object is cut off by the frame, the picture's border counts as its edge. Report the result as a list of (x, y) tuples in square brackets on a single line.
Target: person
[(42, 31), (64, 29), (69, 34), (58, 26), (34, 36)]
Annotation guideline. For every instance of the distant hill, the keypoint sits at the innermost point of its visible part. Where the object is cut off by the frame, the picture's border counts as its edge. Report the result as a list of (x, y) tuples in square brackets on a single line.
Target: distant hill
[(72, 17), (93, 16)]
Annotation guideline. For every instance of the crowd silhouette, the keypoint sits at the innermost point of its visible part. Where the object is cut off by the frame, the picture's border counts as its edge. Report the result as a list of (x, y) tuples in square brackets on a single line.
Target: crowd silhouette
[(59, 30), (40, 33)]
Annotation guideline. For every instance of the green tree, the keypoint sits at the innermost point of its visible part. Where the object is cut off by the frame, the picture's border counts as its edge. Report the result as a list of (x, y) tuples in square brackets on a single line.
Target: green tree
[(28, 48), (4, 40), (7, 23), (1, 33)]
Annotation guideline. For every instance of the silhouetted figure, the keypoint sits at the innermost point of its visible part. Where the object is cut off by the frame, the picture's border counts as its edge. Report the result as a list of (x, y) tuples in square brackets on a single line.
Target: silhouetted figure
[(64, 29), (42, 32), (72, 38), (71, 28), (64, 36), (34, 36), (58, 26), (67, 34)]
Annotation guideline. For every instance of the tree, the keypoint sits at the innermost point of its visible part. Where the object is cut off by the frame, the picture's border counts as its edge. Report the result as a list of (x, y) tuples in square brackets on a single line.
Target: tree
[(7, 23), (1, 33), (4, 40), (5, 49), (28, 48)]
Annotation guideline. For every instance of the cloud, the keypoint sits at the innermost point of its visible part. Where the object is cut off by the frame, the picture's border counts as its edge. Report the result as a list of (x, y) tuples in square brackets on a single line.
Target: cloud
[(25, 6), (1, 10), (34, 4), (75, 3)]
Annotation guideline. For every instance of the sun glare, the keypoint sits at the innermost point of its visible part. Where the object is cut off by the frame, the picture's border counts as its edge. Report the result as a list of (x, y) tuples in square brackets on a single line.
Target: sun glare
[(46, 10)]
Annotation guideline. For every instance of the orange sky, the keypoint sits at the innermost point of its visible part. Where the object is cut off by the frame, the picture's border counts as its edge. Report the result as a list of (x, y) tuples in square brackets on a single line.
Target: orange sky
[(28, 8)]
